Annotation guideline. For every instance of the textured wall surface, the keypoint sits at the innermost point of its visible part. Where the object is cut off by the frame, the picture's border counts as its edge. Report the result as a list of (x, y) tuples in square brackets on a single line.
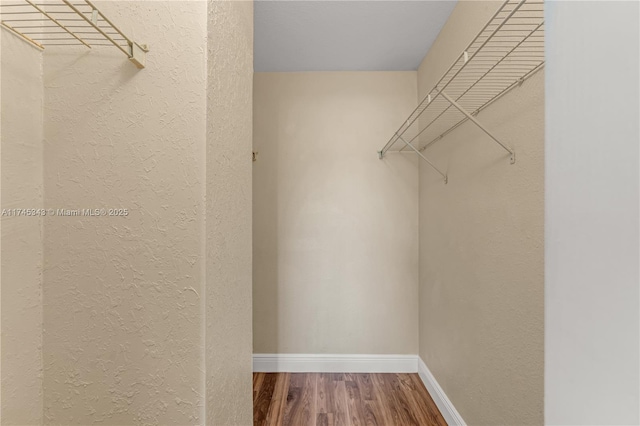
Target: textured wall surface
[(123, 315), (335, 228), (0, 225), (592, 322), (481, 247), (228, 213), (21, 266)]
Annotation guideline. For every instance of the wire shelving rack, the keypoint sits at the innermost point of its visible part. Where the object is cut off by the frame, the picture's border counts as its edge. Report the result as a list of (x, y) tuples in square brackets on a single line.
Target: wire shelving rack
[(507, 51), (45, 23)]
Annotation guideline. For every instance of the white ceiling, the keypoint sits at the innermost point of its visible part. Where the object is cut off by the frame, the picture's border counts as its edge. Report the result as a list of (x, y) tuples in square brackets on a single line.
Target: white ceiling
[(345, 35)]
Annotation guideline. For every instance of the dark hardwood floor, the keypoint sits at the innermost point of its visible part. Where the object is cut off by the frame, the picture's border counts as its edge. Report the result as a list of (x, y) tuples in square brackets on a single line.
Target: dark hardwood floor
[(342, 399)]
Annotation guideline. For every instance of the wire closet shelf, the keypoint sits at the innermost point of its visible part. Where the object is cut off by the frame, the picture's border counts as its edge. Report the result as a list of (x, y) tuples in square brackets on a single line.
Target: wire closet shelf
[(66, 23), (508, 50)]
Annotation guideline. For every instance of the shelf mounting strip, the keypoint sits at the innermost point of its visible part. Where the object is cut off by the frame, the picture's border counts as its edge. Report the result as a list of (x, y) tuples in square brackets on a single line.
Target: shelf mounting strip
[(66, 23), (507, 51)]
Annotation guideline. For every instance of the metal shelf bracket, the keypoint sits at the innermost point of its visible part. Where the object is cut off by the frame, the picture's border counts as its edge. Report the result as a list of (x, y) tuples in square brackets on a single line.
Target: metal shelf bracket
[(469, 116), (444, 175)]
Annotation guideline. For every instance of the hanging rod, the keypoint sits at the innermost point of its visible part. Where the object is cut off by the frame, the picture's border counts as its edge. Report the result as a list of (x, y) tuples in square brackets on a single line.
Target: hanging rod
[(97, 29), (506, 52)]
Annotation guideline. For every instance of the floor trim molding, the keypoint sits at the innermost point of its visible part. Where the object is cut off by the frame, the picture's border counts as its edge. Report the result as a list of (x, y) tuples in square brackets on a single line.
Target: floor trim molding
[(350, 363), (330, 363), (445, 406)]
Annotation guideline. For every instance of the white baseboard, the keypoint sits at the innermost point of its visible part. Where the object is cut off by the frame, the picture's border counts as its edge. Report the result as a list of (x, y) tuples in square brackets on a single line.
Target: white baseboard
[(348, 363), (445, 406), (323, 363)]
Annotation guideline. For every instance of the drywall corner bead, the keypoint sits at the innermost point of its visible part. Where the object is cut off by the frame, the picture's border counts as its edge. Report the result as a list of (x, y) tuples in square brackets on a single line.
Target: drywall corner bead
[(228, 213)]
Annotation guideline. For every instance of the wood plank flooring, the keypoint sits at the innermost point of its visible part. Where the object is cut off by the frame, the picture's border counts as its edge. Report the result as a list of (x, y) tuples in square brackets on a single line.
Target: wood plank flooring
[(342, 399)]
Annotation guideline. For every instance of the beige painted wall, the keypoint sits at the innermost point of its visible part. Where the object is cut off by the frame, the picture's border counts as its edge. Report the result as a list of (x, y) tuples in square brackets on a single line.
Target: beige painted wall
[(228, 214), (124, 306), (481, 247), (134, 304), (21, 247), (335, 229)]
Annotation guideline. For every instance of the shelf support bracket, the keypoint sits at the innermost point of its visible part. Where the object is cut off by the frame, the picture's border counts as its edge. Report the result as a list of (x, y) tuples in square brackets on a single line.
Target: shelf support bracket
[(446, 179), (22, 36), (477, 123)]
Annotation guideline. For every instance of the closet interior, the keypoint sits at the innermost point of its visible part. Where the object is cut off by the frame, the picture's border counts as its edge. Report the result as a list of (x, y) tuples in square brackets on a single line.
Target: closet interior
[(318, 212)]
